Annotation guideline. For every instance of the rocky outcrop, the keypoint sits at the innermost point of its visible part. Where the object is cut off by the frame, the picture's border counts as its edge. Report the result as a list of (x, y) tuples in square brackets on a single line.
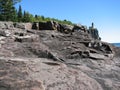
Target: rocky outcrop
[(26, 38), (52, 25), (5, 33), (64, 28), (35, 26), (6, 25), (35, 74), (15, 75), (94, 47), (80, 27), (49, 25), (51, 60), (27, 26), (94, 32)]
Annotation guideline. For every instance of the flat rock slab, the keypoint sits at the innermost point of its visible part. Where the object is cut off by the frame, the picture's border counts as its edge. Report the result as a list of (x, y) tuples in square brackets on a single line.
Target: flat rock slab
[(42, 74), (14, 76), (97, 56)]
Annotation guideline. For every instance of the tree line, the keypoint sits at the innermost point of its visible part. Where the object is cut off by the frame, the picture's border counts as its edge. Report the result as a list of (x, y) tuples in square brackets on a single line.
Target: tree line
[(8, 12)]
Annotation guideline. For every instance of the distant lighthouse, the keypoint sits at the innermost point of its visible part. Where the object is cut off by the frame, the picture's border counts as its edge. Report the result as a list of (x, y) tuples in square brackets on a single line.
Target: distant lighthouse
[(94, 32), (92, 25)]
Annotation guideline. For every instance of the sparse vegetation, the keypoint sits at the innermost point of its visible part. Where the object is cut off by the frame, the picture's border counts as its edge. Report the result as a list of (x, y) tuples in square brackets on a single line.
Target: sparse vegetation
[(8, 12)]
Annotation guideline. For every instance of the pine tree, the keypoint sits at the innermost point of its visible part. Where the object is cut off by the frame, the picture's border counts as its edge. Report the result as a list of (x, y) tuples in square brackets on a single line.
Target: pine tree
[(20, 15), (27, 17), (7, 9), (36, 16), (15, 18), (43, 18)]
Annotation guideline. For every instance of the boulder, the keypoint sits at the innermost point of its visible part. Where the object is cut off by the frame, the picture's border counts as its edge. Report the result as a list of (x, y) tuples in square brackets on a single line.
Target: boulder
[(2, 38), (80, 27), (66, 28), (27, 38), (5, 33), (49, 25), (6, 25), (52, 25), (97, 56), (2, 25), (19, 25), (28, 26), (105, 47), (35, 26), (110, 56), (23, 25)]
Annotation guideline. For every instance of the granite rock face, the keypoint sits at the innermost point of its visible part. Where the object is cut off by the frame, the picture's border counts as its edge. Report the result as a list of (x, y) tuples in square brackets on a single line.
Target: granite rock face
[(55, 60), (14, 75), (49, 25), (42, 74), (6, 25), (23, 25)]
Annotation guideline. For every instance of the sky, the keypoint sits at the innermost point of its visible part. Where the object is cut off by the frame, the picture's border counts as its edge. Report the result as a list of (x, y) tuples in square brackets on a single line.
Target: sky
[(105, 14)]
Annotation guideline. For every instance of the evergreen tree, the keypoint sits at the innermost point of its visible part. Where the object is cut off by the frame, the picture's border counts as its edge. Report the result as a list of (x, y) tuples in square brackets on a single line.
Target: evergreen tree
[(7, 9), (27, 17), (20, 15), (43, 18), (36, 16), (14, 17)]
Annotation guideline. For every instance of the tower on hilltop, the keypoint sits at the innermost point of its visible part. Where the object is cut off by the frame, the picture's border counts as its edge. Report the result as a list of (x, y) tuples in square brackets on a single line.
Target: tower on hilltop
[(92, 25), (94, 32)]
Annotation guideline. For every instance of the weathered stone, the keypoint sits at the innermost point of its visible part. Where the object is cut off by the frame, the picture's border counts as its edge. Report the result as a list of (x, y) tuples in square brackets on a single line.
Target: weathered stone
[(17, 74), (80, 27), (74, 62), (66, 28), (14, 75), (19, 25), (35, 26), (49, 25), (2, 25), (2, 38), (28, 26), (6, 25), (97, 56), (5, 33), (27, 38), (43, 26), (53, 25), (23, 25), (6, 53), (110, 56)]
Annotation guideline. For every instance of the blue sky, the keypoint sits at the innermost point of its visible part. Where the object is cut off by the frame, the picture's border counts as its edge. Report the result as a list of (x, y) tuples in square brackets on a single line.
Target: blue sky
[(104, 13)]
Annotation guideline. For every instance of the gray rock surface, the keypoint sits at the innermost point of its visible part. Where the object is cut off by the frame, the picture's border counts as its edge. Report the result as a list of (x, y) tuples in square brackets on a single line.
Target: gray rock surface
[(6, 25), (51, 60), (23, 25), (64, 28), (49, 25), (15, 75), (5, 33)]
